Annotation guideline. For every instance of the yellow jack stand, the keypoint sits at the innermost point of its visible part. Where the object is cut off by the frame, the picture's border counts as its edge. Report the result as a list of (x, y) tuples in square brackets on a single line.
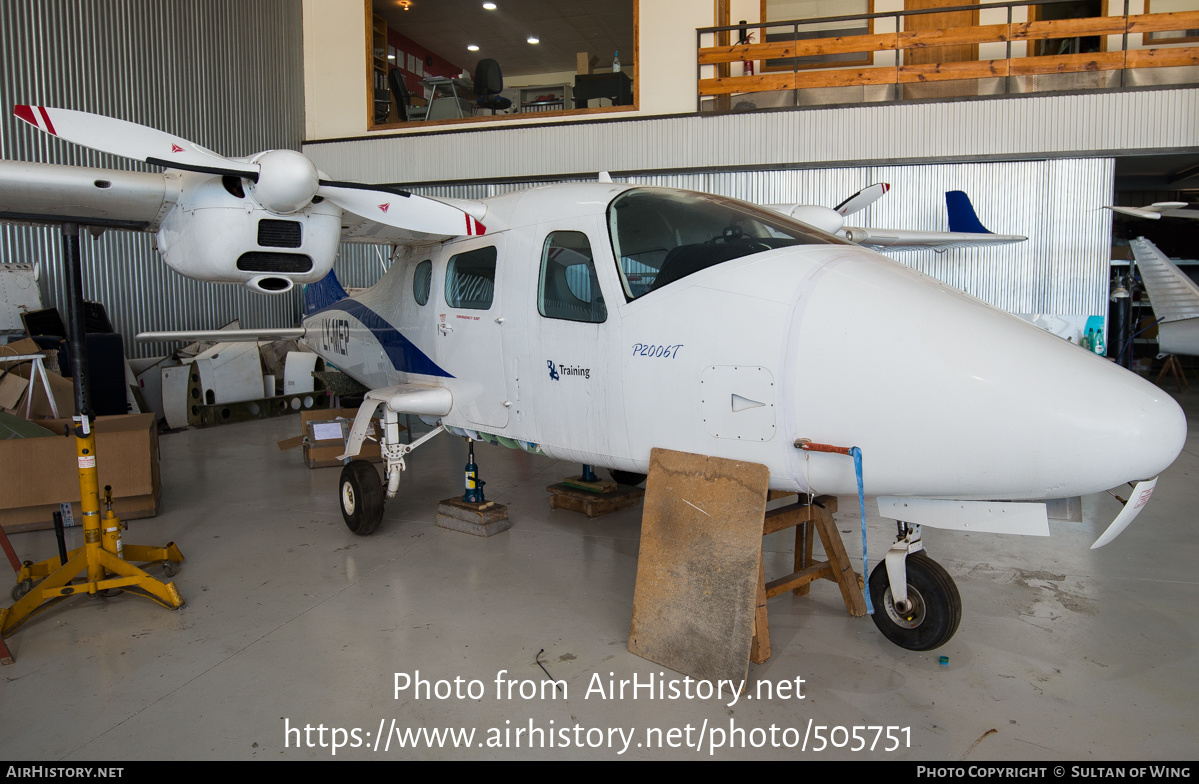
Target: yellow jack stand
[(102, 556)]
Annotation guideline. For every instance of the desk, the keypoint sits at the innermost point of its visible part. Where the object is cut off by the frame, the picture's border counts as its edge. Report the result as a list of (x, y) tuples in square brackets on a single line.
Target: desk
[(448, 97), (616, 86)]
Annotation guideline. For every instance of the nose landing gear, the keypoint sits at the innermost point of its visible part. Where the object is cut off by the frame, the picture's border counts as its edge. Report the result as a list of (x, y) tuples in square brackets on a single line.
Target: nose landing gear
[(917, 605)]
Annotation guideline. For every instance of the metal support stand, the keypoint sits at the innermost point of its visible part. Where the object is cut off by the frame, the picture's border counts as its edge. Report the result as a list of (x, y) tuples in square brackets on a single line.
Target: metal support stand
[(102, 556)]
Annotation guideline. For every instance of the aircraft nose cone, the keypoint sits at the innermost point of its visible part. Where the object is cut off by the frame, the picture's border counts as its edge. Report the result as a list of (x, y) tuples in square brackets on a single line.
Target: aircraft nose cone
[(948, 397)]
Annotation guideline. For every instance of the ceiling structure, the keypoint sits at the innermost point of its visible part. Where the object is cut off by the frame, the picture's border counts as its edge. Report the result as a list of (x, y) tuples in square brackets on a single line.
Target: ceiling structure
[(448, 27)]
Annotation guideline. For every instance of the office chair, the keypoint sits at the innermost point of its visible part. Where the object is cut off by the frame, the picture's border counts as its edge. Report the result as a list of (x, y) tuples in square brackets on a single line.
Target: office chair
[(399, 93), (489, 83)]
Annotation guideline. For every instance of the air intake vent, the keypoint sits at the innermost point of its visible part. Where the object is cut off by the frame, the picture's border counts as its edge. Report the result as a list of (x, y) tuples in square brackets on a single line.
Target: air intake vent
[(279, 233), (259, 261)]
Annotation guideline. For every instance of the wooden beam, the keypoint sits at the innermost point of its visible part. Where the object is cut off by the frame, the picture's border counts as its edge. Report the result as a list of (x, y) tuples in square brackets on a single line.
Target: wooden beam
[(1069, 28), (1157, 58), (846, 77), (941, 72), (954, 36), (1068, 63), (807, 48), (821, 570), (1153, 23), (747, 84)]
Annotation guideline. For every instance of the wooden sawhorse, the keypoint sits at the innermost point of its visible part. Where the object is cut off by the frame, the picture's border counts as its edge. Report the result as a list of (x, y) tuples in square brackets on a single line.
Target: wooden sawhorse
[(807, 520)]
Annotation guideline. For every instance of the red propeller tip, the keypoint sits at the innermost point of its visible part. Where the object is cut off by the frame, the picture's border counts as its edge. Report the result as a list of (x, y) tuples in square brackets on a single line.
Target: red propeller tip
[(39, 120)]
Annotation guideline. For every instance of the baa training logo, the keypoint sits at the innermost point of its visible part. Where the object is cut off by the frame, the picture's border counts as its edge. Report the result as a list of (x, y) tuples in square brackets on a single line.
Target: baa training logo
[(553, 370)]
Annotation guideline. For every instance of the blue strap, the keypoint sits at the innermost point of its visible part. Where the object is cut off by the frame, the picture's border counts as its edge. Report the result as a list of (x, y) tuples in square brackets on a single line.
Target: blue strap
[(857, 466)]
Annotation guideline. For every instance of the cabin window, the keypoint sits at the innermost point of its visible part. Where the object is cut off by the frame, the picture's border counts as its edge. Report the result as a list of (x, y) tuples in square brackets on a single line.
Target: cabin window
[(567, 288), (421, 281), (660, 235), (470, 279)]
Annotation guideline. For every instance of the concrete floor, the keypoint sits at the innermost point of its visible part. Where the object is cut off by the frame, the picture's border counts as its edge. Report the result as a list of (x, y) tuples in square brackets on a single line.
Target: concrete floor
[(1063, 653)]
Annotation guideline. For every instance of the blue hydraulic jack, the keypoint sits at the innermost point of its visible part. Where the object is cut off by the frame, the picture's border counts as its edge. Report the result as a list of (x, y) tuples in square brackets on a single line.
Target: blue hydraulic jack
[(474, 485), (471, 514)]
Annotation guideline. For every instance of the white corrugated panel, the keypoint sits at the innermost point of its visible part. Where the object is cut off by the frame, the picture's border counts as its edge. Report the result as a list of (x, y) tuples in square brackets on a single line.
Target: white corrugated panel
[(1062, 268), (1001, 128)]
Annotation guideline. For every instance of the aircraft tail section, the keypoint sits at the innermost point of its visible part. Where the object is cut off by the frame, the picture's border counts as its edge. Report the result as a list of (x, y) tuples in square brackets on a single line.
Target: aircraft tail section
[(323, 293), (961, 214)]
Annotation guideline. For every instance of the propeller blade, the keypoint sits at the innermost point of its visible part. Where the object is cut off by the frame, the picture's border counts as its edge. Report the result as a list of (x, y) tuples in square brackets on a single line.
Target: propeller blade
[(862, 199), (403, 210), (130, 140)]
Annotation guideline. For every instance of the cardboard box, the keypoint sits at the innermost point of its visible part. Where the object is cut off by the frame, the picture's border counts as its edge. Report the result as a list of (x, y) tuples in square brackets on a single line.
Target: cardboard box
[(324, 453), (585, 63), (40, 473)]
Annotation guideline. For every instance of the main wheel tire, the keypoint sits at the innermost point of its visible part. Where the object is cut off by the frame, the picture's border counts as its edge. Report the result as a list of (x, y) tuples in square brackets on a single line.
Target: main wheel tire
[(361, 495), (936, 606), (629, 478)]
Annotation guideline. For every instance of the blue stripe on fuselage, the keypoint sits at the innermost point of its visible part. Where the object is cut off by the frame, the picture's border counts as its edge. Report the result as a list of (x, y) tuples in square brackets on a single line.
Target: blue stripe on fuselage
[(402, 352)]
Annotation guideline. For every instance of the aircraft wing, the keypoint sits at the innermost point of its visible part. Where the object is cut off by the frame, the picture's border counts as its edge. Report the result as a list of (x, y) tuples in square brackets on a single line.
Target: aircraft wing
[(360, 230), (1171, 291), (41, 193), (1155, 211), (901, 239), (48, 193)]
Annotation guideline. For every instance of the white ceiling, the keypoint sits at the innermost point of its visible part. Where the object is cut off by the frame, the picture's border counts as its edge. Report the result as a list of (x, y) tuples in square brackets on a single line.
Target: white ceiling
[(447, 27)]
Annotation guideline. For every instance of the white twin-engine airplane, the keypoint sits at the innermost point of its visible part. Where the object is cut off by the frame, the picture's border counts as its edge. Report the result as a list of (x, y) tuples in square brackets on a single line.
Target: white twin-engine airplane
[(594, 321)]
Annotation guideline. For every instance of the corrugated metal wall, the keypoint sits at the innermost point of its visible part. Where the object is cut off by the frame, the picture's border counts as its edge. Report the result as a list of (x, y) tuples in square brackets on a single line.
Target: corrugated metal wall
[(1039, 126), (1058, 204), (227, 74)]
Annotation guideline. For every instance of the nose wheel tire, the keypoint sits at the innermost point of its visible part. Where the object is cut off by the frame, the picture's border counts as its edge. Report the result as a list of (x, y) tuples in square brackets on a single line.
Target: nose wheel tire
[(934, 611), (361, 495)]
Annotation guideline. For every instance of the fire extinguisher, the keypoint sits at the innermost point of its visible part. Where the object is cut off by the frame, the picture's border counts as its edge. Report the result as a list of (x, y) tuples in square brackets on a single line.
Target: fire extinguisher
[(746, 38)]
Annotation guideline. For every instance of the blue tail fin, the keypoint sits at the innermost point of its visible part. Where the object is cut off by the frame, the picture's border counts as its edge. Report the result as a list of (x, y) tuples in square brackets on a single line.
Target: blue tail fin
[(961, 214), (323, 293)]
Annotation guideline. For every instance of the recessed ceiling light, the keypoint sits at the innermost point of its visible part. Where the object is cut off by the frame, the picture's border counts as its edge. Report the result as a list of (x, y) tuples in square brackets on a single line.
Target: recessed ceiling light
[(534, 39), (473, 48), (391, 57), (489, 6)]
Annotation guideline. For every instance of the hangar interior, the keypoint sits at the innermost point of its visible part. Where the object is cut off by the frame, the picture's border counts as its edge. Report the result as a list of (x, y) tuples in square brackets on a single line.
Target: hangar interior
[(292, 621)]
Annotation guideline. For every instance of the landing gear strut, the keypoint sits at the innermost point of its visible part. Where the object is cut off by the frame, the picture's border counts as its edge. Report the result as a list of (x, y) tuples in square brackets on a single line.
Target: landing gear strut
[(360, 491), (916, 604)]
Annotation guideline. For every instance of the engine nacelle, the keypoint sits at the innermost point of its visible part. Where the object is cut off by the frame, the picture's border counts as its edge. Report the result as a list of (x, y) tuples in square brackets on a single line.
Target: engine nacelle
[(215, 233), (822, 218)]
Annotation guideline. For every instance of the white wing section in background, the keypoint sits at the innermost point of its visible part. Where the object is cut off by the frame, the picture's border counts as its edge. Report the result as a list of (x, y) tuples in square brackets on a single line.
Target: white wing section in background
[(1155, 211), (966, 230), (1174, 297)]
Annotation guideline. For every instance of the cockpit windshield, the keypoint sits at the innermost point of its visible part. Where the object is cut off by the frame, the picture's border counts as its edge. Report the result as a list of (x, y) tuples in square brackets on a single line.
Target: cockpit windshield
[(660, 235)]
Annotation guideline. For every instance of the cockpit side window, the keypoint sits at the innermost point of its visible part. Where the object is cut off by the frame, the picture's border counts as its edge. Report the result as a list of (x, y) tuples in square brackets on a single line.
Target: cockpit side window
[(567, 287), (660, 236)]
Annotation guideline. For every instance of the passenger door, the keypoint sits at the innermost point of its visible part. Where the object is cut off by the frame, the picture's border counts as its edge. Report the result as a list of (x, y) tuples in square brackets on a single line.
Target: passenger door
[(469, 324)]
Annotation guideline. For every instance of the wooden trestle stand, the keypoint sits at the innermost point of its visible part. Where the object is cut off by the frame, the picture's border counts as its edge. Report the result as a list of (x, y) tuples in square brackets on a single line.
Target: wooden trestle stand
[(807, 519)]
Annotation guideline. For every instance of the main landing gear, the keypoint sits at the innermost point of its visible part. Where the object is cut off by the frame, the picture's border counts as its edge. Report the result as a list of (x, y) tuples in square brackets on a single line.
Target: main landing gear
[(916, 604), (361, 492)]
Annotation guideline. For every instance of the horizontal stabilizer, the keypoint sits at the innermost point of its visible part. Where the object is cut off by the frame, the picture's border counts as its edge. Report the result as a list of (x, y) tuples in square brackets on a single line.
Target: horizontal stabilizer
[(222, 335)]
